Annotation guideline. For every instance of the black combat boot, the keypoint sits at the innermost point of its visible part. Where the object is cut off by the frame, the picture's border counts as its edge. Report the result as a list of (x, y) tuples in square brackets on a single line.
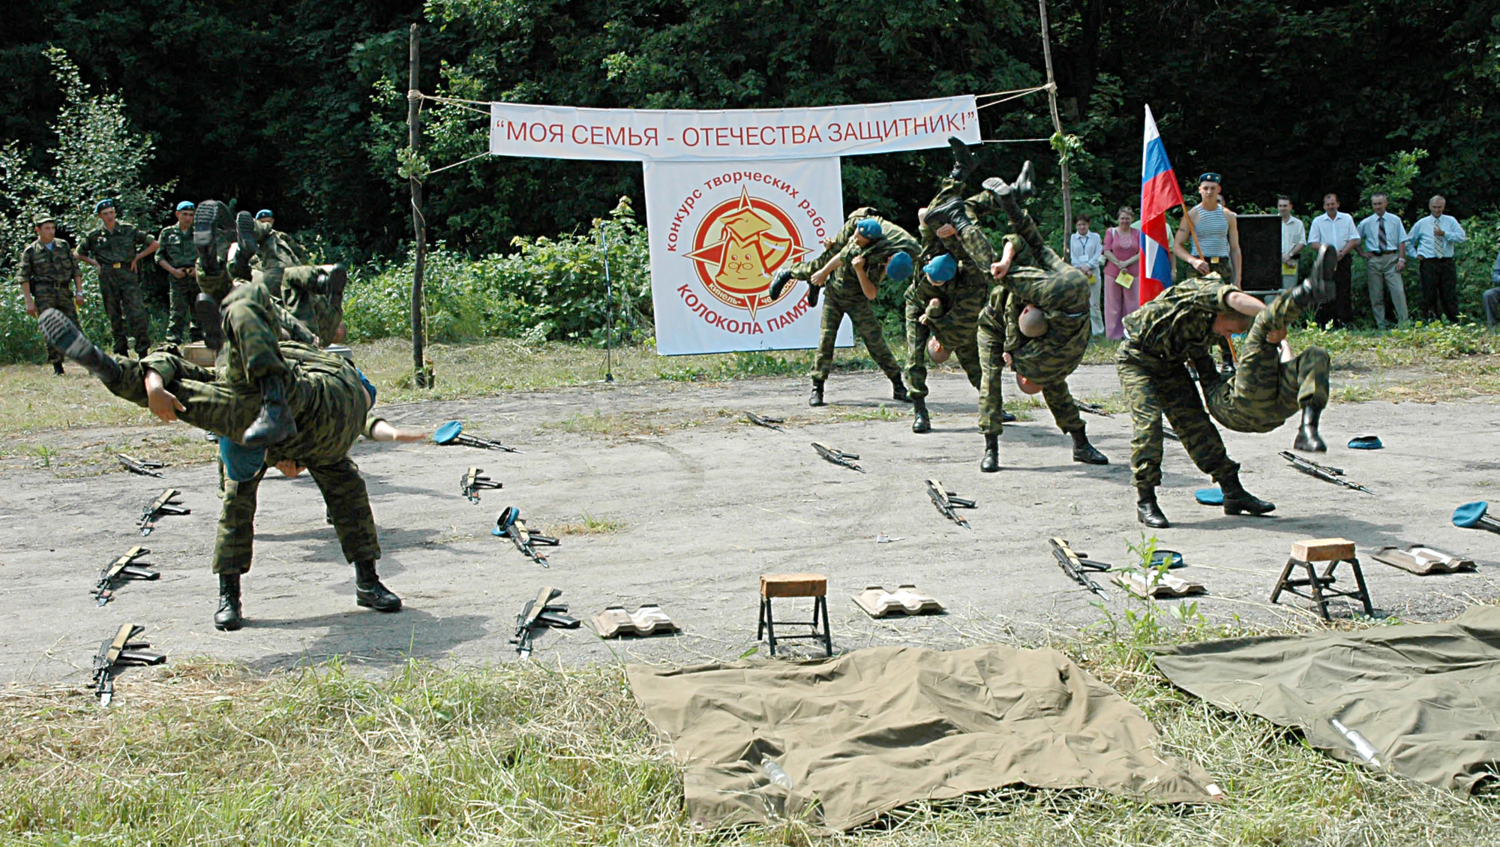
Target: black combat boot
[(813, 292), (210, 223), (368, 591), (951, 212), (57, 368), (1147, 511), (778, 283), (898, 390), (964, 161), (274, 424), (62, 334), (1007, 417), (206, 308), (1084, 452), (230, 616), (817, 394), (244, 233), (1022, 187), (1237, 499), (921, 423), (1308, 439), (1318, 288), (991, 461)]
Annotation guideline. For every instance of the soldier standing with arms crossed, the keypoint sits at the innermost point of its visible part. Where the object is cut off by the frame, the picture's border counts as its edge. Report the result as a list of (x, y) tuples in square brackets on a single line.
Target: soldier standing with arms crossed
[(112, 251), (46, 271)]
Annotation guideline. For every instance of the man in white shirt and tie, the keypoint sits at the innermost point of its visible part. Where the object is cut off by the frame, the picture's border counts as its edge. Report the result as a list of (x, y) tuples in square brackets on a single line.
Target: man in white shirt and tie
[(1336, 229), (1293, 239), (1383, 244), (1432, 239), (1085, 251)]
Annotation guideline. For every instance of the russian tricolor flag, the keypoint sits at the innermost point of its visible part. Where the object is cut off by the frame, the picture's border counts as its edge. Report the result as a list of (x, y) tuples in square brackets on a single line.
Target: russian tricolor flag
[(1159, 195)]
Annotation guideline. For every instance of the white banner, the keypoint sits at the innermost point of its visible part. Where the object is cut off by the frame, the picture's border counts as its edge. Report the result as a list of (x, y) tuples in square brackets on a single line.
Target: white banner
[(718, 232), (564, 132)]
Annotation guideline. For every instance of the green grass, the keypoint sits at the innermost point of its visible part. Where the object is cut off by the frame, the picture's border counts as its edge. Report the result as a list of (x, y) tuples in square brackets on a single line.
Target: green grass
[(209, 753)]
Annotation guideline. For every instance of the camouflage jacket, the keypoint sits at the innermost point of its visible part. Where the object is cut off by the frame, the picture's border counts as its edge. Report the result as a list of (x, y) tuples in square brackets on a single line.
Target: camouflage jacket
[(1177, 325), (41, 265), (114, 246), (177, 247)]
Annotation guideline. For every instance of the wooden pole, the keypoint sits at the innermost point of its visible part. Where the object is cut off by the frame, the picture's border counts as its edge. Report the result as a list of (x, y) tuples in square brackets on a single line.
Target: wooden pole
[(419, 228), (1067, 189)]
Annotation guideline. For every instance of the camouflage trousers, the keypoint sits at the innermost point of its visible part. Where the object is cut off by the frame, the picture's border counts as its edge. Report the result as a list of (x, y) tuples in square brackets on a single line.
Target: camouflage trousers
[(1154, 388), (47, 295), (957, 331), (1055, 392), (839, 299), (971, 238), (308, 301), (182, 325), (120, 289), (1265, 390)]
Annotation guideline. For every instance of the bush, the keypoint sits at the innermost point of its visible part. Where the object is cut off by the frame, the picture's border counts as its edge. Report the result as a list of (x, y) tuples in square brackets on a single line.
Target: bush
[(549, 290)]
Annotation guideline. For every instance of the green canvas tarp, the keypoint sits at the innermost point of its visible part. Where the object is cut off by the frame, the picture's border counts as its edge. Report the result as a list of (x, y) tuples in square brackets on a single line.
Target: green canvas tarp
[(1425, 696), (872, 730)]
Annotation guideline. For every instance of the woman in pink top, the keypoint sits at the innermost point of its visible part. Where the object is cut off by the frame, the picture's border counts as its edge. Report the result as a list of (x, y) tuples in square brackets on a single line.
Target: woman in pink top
[(1122, 254)]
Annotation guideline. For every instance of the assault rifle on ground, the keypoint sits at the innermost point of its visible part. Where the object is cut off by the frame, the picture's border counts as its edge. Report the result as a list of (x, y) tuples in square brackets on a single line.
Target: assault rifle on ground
[(121, 651), (163, 505), (452, 432), (946, 502), (1092, 409), (510, 525), (838, 457), (1323, 472), (475, 480), (1077, 565), (768, 423), (540, 613), (144, 468), (124, 567)]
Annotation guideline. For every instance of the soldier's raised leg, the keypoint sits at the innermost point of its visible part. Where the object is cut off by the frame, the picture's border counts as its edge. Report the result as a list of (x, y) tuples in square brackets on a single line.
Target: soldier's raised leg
[(1184, 410)]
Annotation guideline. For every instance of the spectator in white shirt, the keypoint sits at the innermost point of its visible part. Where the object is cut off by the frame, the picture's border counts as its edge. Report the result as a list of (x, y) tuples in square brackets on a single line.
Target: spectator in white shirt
[(1336, 229), (1432, 239), (1085, 251), (1383, 244), (1293, 239)]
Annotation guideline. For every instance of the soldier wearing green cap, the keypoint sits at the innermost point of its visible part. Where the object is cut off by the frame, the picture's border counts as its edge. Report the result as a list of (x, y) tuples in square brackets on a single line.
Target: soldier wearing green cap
[(49, 278), (115, 249), (179, 259)]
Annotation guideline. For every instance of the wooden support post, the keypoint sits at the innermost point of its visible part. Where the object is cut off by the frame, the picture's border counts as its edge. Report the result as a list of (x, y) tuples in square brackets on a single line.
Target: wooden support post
[(418, 225), (1067, 189)]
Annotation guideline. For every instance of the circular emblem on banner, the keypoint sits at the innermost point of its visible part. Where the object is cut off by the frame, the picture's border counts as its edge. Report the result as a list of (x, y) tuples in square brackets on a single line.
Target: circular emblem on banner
[(739, 244)]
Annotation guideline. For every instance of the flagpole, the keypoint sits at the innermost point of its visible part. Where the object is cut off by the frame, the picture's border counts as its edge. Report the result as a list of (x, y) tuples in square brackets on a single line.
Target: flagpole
[(1067, 192)]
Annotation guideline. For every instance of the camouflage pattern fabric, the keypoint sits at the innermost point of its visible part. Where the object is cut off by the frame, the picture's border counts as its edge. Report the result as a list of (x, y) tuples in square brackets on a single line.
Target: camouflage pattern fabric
[(50, 274), (308, 301), (955, 323), (840, 300), (991, 341), (326, 399), (119, 286), (1173, 328), (275, 251), (837, 244), (1266, 391), (178, 251), (969, 244)]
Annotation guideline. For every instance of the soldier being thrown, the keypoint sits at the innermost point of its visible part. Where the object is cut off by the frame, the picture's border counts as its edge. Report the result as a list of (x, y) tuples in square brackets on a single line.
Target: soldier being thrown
[(1270, 384), (1176, 327), (323, 409), (1046, 347), (866, 251)]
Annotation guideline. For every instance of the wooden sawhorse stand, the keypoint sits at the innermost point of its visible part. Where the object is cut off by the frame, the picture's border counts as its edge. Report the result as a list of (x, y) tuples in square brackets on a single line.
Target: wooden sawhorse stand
[(795, 585), (1333, 551)]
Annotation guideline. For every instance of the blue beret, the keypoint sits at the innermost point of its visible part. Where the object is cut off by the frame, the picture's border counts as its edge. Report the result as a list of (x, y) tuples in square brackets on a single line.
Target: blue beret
[(369, 386), (264, 213), (106, 203), (240, 462), (941, 269), (1211, 177), (186, 206), (899, 267), (868, 227)]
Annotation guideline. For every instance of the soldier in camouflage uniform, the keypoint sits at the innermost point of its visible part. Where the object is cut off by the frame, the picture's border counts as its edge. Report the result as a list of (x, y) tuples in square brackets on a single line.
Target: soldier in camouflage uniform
[(1178, 326), (1270, 384), (943, 301), (1058, 294), (178, 258), (273, 252), (866, 251), (112, 250), (328, 398), (50, 279)]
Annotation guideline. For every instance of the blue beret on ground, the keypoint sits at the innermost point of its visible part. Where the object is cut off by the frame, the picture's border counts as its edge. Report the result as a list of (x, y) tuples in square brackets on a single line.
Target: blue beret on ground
[(1365, 442), (1209, 496)]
